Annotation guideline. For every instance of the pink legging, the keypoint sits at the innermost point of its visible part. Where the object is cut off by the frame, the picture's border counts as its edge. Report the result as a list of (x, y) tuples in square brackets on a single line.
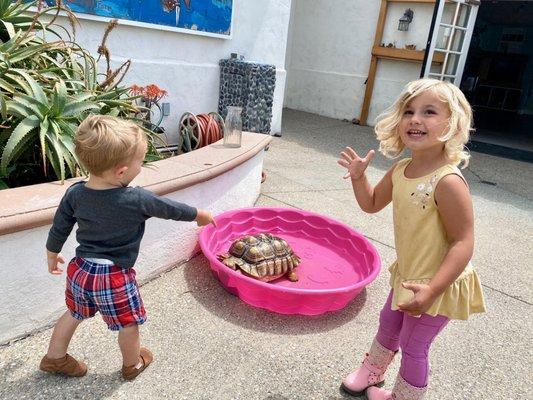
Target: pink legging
[(414, 336)]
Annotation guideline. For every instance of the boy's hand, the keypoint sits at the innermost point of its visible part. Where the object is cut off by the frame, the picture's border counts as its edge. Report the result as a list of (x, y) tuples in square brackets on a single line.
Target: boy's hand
[(53, 260), (355, 165), (204, 217)]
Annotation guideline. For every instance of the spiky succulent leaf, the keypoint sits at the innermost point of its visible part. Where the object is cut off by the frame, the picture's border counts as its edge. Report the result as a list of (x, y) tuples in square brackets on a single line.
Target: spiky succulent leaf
[(23, 128)]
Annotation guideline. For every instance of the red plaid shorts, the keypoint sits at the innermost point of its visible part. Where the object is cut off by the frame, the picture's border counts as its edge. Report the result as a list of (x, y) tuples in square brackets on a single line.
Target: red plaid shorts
[(109, 289)]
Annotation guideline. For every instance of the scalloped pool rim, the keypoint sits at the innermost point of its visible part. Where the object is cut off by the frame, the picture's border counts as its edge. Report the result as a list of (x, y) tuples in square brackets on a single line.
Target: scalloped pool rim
[(375, 268)]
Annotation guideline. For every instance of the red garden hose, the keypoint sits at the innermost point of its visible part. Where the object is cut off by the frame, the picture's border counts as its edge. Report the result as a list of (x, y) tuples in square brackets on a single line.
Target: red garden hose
[(199, 130), (210, 129)]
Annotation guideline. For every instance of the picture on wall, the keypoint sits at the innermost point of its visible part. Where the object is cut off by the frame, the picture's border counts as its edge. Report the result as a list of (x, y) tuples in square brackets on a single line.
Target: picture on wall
[(208, 16)]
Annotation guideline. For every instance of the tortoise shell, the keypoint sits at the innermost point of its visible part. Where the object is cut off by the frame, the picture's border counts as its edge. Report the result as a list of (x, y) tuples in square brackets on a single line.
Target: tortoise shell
[(262, 256)]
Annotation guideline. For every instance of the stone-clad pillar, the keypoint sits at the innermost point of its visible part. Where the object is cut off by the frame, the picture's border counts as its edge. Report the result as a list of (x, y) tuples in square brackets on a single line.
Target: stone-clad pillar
[(251, 86)]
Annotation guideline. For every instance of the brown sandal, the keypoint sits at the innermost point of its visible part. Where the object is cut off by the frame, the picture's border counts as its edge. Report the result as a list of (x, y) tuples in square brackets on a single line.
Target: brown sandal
[(67, 365), (145, 358)]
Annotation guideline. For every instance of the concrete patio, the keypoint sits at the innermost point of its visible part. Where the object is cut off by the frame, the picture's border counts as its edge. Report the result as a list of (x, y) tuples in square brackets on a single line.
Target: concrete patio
[(208, 344)]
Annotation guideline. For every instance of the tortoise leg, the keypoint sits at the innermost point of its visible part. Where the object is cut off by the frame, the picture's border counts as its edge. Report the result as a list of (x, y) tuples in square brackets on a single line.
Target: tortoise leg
[(292, 276)]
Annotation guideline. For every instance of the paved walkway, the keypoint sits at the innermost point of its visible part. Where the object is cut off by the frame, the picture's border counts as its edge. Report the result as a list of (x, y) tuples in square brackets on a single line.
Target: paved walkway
[(208, 344)]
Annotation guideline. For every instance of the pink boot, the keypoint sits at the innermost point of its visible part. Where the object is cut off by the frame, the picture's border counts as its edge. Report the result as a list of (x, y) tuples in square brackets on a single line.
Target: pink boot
[(371, 372), (401, 391)]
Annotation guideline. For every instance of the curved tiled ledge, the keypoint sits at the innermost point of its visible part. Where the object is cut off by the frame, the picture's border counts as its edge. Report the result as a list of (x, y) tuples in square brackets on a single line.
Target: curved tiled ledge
[(32, 206)]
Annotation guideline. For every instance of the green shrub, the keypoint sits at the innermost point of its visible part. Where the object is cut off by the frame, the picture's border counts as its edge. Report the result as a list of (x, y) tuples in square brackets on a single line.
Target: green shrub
[(48, 85)]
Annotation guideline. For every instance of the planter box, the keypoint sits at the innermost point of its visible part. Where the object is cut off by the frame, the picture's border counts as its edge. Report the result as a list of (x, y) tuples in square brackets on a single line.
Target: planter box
[(213, 177)]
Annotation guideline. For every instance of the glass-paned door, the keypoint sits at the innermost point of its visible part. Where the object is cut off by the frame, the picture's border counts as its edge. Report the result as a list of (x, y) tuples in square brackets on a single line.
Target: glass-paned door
[(450, 39)]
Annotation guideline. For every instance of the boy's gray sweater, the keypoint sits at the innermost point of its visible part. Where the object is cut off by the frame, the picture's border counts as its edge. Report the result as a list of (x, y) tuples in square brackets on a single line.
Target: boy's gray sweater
[(110, 222)]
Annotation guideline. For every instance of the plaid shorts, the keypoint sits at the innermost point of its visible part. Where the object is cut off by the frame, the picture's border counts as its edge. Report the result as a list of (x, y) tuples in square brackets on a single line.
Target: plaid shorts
[(109, 289)]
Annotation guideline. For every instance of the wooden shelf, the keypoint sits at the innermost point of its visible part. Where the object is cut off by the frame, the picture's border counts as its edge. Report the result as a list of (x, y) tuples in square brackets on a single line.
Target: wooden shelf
[(392, 53)]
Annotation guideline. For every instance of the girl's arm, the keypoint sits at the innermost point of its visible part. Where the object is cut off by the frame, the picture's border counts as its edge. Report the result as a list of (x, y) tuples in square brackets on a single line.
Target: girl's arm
[(370, 199), (455, 208)]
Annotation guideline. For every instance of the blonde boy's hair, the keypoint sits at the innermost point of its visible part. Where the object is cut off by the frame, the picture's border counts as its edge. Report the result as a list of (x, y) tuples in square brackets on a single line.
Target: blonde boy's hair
[(103, 142), (459, 124)]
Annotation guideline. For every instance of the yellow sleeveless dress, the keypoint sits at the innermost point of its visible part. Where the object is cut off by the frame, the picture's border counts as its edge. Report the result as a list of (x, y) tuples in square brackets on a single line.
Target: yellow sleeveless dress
[(421, 245)]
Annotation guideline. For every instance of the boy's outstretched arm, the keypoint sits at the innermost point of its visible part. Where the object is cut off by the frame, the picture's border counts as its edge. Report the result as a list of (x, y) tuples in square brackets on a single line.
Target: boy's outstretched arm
[(204, 217), (153, 205), (370, 199)]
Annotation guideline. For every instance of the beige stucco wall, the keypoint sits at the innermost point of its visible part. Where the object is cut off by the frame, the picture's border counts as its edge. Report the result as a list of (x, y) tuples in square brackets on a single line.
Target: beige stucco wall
[(186, 65), (329, 50), (213, 177)]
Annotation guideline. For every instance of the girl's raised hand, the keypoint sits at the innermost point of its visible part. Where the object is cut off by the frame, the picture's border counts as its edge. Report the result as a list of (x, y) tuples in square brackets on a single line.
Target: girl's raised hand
[(355, 165)]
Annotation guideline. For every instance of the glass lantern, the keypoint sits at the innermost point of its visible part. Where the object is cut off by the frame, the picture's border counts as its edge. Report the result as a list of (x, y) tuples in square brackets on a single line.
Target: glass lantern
[(233, 127), (405, 20)]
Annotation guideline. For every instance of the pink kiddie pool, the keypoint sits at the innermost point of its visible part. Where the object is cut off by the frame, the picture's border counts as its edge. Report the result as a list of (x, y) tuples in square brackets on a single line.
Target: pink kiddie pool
[(337, 262)]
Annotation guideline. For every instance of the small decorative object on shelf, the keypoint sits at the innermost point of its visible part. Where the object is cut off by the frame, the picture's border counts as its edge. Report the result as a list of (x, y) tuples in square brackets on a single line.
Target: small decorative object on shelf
[(405, 20), (233, 127), (410, 46)]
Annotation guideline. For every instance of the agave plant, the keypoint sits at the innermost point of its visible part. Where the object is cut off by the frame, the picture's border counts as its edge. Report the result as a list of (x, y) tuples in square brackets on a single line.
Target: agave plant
[(48, 85), (52, 120)]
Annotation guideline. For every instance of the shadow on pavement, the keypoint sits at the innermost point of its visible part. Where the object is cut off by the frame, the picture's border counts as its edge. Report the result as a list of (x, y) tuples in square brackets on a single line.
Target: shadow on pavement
[(229, 307), (40, 385)]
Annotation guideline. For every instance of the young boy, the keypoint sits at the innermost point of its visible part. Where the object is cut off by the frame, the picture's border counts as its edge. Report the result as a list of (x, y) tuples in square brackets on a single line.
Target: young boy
[(111, 218)]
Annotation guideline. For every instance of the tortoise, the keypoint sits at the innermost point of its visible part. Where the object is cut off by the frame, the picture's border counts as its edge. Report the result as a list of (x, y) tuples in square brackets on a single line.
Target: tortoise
[(262, 256)]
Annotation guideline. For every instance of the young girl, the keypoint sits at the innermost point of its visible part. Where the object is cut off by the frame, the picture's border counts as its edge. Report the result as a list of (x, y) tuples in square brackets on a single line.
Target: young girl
[(432, 279)]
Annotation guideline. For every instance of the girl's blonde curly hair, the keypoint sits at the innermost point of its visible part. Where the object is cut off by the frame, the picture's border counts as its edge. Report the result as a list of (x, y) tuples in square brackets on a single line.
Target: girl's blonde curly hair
[(455, 136)]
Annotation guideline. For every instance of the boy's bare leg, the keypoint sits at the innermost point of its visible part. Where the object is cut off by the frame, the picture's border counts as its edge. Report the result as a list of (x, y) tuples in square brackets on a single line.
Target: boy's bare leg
[(56, 359), (63, 332), (135, 358), (130, 345)]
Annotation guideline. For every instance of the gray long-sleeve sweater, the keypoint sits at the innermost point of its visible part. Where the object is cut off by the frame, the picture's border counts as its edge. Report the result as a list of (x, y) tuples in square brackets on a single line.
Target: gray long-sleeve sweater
[(110, 222)]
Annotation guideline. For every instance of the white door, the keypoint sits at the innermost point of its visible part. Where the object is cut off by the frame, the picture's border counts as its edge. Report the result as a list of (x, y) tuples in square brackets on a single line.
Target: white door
[(450, 40)]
